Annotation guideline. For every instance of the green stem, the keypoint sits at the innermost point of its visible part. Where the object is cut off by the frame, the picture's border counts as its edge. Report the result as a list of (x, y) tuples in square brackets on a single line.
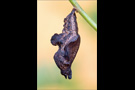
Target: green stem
[(83, 14)]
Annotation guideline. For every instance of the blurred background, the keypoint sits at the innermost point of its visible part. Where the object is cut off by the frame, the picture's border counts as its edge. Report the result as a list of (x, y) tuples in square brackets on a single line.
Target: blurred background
[(50, 17)]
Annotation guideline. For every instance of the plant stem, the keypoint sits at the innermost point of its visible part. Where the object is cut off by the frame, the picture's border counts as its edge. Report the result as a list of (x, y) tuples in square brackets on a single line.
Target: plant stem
[(83, 14)]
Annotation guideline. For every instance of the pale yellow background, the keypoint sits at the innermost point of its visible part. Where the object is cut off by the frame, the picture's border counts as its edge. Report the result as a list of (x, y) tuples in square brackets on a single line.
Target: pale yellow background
[(50, 16)]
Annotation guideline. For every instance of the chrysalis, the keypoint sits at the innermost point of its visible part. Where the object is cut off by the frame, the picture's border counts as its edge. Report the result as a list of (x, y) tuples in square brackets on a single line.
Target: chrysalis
[(68, 42)]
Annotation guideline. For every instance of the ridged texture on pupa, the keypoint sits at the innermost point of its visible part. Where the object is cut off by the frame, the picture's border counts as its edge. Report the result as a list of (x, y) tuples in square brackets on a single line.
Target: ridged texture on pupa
[(68, 42)]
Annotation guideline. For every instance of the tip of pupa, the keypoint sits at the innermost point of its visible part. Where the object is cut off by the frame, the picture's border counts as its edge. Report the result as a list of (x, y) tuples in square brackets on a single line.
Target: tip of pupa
[(74, 9)]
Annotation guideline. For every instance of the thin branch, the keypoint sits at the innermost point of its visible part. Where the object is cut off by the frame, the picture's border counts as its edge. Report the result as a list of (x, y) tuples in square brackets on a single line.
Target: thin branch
[(83, 14)]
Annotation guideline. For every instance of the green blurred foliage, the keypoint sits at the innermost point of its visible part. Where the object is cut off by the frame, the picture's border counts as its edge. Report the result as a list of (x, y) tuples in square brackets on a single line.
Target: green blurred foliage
[(47, 76)]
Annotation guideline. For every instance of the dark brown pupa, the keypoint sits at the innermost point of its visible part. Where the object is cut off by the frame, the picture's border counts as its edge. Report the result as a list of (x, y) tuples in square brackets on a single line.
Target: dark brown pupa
[(68, 42)]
